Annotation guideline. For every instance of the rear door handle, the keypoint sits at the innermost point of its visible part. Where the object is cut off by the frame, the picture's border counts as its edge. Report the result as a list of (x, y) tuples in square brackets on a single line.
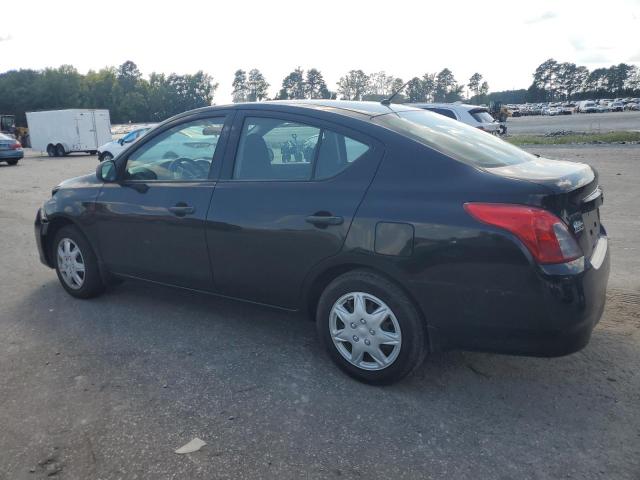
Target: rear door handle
[(324, 220), (182, 209)]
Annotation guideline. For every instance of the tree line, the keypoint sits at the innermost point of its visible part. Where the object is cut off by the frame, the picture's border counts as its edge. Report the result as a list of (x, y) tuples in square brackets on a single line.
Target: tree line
[(131, 98), (122, 90), (566, 81)]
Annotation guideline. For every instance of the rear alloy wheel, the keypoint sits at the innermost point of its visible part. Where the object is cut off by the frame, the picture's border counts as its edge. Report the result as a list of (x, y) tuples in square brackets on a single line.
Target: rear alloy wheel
[(76, 263), (365, 331), (51, 150), (370, 328)]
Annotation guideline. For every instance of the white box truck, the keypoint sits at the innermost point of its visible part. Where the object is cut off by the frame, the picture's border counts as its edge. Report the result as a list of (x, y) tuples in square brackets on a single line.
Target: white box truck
[(59, 132)]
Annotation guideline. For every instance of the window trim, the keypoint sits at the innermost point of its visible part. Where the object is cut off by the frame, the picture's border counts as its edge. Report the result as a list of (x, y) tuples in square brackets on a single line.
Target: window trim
[(228, 166), (218, 156)]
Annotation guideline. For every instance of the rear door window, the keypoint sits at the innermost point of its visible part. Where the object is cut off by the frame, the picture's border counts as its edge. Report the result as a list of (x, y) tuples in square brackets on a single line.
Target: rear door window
[(278, 149)]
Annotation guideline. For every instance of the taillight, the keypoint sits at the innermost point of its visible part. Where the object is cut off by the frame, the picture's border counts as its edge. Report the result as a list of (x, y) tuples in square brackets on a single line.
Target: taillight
[(544, 234), (15, 146)]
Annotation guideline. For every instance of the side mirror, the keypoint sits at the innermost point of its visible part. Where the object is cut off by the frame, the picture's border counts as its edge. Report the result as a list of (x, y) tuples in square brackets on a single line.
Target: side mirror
[(121, 141), (107, 172)]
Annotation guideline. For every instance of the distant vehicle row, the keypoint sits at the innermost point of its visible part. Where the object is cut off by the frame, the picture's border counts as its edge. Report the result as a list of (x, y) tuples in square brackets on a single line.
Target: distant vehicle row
[(568, 108)]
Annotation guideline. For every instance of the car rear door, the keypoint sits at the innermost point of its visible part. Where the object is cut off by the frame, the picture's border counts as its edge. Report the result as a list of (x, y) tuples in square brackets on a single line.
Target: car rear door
[(151, 222), (290, 187)]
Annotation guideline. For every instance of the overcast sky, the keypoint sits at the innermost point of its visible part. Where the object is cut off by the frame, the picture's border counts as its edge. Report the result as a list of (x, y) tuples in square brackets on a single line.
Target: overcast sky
[(504, 41)]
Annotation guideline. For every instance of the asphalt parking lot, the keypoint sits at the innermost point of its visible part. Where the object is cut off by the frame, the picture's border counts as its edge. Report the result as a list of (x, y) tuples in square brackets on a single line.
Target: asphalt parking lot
[(109, 388), (581, 122)]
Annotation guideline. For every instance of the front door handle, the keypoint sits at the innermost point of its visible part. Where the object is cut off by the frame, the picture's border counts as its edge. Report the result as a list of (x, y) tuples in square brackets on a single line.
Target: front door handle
[(323, 220), (182, 209)]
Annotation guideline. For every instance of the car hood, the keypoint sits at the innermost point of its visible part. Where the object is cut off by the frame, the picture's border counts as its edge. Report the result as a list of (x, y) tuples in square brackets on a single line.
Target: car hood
[(87, 180), (108, 145), (559, 175)]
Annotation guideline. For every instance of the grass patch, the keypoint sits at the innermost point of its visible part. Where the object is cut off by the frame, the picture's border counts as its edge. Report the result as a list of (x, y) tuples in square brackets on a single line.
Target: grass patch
[(609, 137)]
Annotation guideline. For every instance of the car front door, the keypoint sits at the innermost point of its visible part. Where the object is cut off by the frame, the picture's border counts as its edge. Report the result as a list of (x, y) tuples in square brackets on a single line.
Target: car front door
[(151, 222), (285, 202)]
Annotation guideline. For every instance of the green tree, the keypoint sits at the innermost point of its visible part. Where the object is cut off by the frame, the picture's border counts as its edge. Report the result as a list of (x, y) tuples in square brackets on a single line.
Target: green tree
[(257, 86), (474, 83), (446, 89), (354, 85), (293, 86), (315, 86), (545, 78), (240, 87)]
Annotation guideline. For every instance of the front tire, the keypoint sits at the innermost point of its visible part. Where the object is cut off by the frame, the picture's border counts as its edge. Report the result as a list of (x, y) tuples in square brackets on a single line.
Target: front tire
[(76, 263), (105, 156), (60, 150), (51, 150), (370, 328)]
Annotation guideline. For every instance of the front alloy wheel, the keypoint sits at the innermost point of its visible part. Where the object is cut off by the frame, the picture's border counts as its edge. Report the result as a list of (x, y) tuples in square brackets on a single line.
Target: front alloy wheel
[(365, 331), (71, 263), (76, 263)]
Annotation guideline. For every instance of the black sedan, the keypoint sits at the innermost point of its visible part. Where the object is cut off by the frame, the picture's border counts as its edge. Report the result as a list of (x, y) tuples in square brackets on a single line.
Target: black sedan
[(400, 231)]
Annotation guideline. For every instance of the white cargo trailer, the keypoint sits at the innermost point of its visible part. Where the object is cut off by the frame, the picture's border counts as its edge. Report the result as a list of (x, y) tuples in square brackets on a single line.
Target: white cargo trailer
[(59, 132)]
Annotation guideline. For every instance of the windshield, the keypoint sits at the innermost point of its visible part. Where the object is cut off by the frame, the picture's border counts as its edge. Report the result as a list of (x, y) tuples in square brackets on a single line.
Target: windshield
[(455, 139)]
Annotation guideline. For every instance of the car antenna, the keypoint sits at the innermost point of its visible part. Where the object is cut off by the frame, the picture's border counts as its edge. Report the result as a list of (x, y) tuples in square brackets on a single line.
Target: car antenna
[(387, 101)]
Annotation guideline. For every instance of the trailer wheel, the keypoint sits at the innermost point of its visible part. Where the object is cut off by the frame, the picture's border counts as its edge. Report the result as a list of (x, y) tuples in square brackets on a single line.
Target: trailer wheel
[(60, 150), (51, 150)]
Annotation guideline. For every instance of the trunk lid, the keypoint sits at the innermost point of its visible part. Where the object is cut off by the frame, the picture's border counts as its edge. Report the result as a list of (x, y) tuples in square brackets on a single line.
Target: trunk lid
[(573, 194)]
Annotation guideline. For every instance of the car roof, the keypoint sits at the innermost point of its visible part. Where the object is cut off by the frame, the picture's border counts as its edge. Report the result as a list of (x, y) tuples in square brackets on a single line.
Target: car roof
[(355, 109)]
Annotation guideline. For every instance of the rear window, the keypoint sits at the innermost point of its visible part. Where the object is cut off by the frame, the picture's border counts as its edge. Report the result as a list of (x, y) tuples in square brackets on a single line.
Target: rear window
[(5, 137), (455, 139), (482, 116), (443, 111)]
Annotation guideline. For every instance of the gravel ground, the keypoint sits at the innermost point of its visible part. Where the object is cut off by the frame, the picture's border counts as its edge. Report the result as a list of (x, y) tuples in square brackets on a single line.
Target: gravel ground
[(581, 122), (108, 388)]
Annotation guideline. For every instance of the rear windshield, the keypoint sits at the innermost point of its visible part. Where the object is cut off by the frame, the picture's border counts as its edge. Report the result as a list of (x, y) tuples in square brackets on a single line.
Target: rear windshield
[(455, 139), (482, 116)]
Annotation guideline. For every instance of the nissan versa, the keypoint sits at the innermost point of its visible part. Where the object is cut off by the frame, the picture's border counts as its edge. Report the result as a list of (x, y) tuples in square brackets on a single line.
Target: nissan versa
[(400, 231)]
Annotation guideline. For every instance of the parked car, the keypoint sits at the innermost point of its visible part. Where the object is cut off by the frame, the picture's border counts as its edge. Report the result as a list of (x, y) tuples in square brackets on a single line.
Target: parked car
[(113, 148), (616, 106), (10, 149), (478, 117), (632, 106), (405, 233), (588, 106)]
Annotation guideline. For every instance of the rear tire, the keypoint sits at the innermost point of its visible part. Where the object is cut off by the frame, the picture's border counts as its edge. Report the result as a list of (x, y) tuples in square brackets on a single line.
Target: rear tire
[(76, 263), (12, 162), (51, 150), (60, 150), (371, 345)]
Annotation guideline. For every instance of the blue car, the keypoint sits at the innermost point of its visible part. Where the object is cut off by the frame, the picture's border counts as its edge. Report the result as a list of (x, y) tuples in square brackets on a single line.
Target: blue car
[(10, 149)]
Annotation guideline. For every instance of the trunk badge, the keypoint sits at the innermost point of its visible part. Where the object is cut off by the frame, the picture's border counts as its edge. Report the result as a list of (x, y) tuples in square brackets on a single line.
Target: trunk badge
[(578, 226)]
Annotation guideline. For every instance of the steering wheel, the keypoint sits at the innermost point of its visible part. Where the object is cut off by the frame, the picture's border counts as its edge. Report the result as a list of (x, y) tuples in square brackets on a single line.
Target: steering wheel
[(185, 167)]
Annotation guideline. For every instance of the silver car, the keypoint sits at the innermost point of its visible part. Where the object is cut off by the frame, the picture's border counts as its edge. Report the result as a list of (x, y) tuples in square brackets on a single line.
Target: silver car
[(473, 115)]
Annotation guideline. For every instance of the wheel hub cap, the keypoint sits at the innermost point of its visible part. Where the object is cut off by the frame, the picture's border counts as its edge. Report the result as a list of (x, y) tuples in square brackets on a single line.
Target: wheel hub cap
[(365, 331), (71, 263)]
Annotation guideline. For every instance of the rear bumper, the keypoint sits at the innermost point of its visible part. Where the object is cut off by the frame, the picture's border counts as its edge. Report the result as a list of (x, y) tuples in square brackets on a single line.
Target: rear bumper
[(11, 154), (548, 312)]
